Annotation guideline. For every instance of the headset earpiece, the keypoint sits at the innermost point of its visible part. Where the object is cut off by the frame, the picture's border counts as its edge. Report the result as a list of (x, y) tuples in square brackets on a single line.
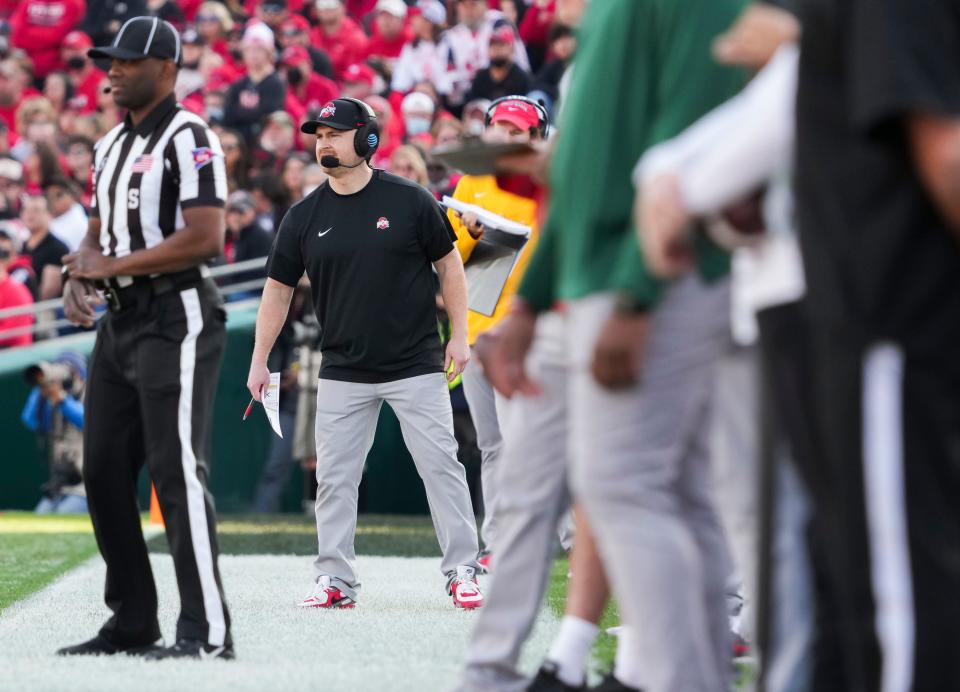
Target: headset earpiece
[(367, 137)]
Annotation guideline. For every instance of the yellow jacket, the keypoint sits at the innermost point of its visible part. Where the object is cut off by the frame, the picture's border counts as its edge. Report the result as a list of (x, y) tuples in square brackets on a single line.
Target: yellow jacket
[(482, 190)]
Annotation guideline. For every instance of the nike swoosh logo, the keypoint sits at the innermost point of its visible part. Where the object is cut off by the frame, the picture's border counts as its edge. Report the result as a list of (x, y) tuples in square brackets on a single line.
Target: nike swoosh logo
[(204, 654), (323, 233)]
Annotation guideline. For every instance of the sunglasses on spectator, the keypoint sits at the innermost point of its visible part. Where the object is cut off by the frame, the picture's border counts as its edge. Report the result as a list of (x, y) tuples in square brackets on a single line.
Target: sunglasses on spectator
[(208, 18)]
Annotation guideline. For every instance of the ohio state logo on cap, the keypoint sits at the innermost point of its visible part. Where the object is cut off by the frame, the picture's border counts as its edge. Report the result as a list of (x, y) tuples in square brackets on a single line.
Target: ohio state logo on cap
[(328, 110), (383, 223)]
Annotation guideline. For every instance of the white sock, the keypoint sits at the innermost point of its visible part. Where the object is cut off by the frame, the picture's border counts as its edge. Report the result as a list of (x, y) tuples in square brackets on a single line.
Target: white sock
[(571, 648), (626, 665)]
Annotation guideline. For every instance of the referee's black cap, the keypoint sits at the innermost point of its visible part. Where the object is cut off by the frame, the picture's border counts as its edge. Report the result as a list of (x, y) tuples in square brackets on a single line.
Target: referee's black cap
[(140, 38)]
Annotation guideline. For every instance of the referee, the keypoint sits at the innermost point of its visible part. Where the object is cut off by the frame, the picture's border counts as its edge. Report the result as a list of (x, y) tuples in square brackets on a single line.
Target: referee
[(157, 216)]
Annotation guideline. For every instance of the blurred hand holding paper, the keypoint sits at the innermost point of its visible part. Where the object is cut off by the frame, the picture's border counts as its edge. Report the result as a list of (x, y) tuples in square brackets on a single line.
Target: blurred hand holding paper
[(271, 402), (494, 257)]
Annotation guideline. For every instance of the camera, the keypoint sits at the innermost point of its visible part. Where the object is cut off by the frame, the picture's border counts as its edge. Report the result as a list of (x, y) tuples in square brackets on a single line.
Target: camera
[(44, 373)]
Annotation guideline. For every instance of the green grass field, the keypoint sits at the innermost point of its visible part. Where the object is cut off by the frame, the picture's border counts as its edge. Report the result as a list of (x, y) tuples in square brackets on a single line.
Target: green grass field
[(35, 550)]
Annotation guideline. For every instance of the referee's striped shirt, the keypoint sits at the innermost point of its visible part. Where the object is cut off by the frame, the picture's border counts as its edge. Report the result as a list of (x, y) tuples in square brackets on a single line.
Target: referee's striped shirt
[(145, 175)]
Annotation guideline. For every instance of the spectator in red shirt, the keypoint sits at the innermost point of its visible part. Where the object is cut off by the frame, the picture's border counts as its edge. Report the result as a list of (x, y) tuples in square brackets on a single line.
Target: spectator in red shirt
[(13, 294), (339, 36), (390, 34), (306, 89), (535, 29), (39, 27), (391, 130), (296, 32), (84, 76)]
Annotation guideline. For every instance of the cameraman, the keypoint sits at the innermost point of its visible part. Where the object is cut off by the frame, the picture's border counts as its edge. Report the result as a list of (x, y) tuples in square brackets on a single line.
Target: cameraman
[(54, 410)]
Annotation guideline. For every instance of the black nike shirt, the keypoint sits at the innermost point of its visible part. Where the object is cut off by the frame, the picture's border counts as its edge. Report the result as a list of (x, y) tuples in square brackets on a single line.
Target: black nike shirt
[(369, 258)]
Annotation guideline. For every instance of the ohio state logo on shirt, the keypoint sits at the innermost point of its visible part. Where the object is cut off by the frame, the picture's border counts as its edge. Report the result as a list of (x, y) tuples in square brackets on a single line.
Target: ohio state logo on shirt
[(383, 223), (328, 110), (249, 99)]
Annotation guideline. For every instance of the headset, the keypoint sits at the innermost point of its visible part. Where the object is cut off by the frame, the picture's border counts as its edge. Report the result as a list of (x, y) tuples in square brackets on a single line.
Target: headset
[(367, 137), (543, 118)]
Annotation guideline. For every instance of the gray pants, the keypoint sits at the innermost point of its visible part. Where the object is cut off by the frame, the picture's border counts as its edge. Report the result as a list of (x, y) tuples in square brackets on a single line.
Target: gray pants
[(533, 498), (347, 414), (736, 445), (640, 471), (485, 411)]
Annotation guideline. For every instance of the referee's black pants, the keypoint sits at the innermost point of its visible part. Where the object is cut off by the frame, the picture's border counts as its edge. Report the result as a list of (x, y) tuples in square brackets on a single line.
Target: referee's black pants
[(887, 503), (149, 398)]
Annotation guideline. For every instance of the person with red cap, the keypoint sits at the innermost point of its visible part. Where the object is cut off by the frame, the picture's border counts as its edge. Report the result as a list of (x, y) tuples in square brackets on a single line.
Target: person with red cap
[(39, 27), (306, 90), (296, 32), (510, 119), (84, 76), (503, 76), (465, 48), (359, 81), (338, 35)]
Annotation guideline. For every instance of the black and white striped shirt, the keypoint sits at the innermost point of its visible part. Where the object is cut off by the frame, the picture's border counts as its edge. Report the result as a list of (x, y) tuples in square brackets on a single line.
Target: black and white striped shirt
[(145, 175)]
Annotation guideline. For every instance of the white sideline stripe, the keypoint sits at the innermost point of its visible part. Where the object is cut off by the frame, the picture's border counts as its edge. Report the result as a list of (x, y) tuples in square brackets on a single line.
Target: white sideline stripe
[(196, 502), (405, 636), (885, 497)]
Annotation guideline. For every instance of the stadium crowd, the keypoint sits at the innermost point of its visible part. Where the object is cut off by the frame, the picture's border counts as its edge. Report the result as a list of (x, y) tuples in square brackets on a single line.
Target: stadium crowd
[(254, 70), (779, 431)]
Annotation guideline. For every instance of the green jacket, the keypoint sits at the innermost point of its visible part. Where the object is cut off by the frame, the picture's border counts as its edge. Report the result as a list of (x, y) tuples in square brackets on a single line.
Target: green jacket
[(643, 74)]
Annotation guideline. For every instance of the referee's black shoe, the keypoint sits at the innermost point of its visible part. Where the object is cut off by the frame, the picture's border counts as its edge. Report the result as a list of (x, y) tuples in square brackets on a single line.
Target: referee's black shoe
[(101, 646), (192, 648)]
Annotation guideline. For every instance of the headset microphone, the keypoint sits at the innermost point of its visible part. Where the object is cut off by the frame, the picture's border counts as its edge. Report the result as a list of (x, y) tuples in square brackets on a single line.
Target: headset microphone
[(329, 161)]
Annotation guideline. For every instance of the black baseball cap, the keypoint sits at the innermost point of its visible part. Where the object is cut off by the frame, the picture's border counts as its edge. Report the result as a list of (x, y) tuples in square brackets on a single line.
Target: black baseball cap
[(340, 114), (142, 37)]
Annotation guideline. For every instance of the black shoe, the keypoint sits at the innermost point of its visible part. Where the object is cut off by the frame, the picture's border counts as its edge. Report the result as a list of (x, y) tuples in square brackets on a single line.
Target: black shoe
[(611, 684), (191, 648), (101, 646), (546, 680)]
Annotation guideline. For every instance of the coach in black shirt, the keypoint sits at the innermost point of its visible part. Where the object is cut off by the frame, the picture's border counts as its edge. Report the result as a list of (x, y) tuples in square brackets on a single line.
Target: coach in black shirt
[(157, 216), (369, 241), (878, 198)]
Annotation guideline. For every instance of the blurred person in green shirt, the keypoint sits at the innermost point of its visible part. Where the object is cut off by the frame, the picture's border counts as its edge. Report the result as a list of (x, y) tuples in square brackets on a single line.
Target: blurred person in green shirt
[(641, 350)]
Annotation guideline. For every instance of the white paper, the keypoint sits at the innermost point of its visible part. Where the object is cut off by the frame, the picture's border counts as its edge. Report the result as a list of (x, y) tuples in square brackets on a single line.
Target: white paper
[(271, 403), (488, 218)]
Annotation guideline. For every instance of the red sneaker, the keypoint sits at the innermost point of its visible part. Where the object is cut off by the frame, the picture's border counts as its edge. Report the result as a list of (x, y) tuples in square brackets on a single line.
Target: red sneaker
[(326, 596), (465, 589)]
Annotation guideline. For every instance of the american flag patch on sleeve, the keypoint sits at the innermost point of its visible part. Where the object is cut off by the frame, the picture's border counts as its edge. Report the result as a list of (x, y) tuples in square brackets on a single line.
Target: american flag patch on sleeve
[(142, 163)]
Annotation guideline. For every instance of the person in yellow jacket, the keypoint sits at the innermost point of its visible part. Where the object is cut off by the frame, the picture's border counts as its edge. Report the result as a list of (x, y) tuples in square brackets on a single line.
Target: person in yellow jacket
[(509, 119)]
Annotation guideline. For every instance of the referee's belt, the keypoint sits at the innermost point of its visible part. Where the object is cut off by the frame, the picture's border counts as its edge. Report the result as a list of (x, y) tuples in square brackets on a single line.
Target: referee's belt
[(120, 297)]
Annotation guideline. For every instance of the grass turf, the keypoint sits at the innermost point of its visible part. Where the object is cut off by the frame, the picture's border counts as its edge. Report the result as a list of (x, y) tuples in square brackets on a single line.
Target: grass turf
[(35, 550)]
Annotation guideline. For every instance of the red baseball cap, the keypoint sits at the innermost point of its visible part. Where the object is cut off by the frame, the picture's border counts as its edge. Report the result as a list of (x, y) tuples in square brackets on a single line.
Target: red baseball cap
[(295, 23), (77, 40), (295, 55), (516, 112), (359, 73), (503, 34)]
